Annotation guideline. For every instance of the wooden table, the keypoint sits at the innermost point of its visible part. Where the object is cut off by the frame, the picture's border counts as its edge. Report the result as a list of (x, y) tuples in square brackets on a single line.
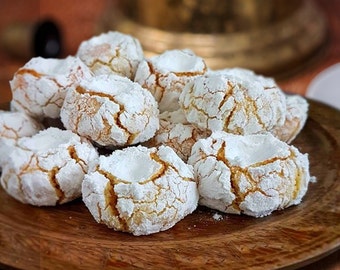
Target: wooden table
[(296, 82)]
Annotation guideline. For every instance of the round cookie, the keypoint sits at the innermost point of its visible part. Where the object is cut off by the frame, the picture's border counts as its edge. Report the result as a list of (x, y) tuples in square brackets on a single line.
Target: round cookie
[(112, 53), (296, 117), (237, 102), (14, 125), (39, 87), (140, 190), (48, 168), (166, 74), (111, 110), (249, 174)]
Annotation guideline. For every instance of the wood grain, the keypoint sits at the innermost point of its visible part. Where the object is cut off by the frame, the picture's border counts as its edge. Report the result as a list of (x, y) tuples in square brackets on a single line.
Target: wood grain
[(67, 237)]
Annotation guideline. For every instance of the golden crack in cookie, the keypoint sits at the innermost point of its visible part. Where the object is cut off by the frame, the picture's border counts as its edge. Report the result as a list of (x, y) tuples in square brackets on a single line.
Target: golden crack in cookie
[(296, 117), (14, 125), (47, 168), (251, 174), (140, 190), (237, 102), (177, 133), (111, 110), (112, 53), (166, 74), (39, 87)]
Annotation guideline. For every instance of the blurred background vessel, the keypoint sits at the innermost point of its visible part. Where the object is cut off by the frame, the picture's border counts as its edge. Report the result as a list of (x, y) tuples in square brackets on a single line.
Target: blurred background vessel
[(286, 39), (268, 36)]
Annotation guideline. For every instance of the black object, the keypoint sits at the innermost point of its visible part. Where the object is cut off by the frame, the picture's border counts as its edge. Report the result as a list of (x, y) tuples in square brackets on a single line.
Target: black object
[(47, 40)]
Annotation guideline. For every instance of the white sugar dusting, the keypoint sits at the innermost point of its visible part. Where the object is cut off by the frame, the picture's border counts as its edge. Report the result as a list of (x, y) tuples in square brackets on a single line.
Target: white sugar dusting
[(217, 217), (152, 188), (175, 134)]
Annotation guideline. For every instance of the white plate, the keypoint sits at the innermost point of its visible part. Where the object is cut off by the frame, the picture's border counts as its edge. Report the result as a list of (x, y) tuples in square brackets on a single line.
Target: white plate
[(325, 87)]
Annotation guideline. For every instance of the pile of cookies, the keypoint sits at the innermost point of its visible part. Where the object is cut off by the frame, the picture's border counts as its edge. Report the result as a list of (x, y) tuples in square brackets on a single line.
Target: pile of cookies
[(176, 134)]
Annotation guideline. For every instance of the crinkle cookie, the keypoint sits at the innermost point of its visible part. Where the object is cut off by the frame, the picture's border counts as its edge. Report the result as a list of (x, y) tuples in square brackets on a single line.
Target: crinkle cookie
[(48, 168), (250, 174), (112, 53), (296, 117), (140, 190), (179, 135), (111, 110), (14, 125), (39, 87), (234, 101), (166, 74)]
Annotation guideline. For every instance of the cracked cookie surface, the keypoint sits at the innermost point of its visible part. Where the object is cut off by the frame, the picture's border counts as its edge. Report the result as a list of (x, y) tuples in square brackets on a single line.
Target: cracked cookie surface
[(166, 74), (48, 168), (112, 53), (296, 117), (39, 87), (235, 101), (251, 174), (14, 125), (140, 190), (111, 110), (177, 133)]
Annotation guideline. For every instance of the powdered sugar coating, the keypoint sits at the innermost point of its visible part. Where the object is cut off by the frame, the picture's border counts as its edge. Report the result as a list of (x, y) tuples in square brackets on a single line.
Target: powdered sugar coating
[(250, 174), (14, 125), (177, 116), (47, 168), (296, 117), (177, 133), (39, 87), (166, 74), (111, 110), (140, 190), (234, 101), (112, 53)]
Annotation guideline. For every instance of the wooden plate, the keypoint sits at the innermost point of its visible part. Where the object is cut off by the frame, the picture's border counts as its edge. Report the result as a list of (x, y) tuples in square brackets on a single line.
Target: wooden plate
[(67, 237)]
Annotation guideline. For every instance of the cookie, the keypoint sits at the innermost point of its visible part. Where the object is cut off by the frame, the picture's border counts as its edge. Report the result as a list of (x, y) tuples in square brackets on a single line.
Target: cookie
[(296, 117), (48, 168), (177, 133), (234, 101), (249, 174), (166, 74), (140, 190), (112, 53), (39, 87), (111, 111), (14, 125)]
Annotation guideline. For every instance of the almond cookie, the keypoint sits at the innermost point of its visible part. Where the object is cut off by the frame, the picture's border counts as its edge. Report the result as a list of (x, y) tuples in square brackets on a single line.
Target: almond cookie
[(112, 53), (14, 125), (177, 133), (39, 87), (249, 174), (48, 168), (166, 74), (235, 101), (140, 190), (111, 110), (296, 117)]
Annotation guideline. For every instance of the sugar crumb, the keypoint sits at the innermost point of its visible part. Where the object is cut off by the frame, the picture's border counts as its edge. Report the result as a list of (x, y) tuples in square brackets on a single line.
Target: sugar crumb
[(313, 179), (217, 216)]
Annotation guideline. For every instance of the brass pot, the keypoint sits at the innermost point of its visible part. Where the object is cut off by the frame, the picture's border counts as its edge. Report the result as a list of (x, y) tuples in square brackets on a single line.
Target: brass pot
[(268, 36)]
